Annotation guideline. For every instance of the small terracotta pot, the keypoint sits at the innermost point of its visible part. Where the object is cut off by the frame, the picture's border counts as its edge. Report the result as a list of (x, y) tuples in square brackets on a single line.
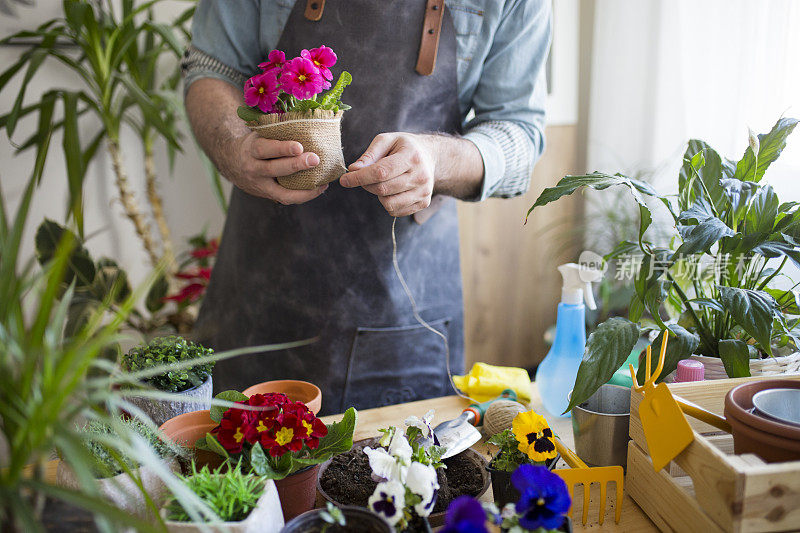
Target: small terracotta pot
[(356, 518), (298, 492), (186, 429), (771, 440), (297, 391)]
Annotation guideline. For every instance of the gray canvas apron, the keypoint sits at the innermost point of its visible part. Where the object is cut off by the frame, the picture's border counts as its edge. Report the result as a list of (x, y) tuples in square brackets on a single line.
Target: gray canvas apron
[(324, 268)]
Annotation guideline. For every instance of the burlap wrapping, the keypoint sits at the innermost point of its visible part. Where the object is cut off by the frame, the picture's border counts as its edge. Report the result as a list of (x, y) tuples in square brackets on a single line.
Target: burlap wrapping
[(319, 131)]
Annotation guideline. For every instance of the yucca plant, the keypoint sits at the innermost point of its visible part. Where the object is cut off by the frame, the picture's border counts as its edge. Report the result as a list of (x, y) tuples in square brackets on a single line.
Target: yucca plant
[(53, 379), (118, 56), (713, 288)]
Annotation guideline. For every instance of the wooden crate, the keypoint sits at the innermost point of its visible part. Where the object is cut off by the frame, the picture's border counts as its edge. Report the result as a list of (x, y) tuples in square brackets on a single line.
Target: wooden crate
[(707, 487)]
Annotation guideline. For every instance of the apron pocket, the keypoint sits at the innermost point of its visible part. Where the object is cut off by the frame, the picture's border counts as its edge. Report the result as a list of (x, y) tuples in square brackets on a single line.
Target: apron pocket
[(396, 365)]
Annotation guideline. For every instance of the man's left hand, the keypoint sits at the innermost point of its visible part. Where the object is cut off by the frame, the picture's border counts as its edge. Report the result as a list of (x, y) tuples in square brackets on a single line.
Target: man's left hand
[(399, 169)]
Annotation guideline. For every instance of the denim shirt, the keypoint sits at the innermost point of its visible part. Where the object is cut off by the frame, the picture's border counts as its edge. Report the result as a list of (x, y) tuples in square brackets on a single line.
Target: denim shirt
[(502, 46)]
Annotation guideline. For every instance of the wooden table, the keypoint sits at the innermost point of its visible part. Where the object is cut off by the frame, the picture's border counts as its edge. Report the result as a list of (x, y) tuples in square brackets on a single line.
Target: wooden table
[(448, 407)]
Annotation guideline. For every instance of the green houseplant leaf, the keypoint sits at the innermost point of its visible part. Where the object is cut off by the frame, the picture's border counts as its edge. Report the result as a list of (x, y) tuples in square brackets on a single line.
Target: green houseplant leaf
[(770, 147), (753, 311), (682, 343), (339, 438), (735, 358), (606, 349)]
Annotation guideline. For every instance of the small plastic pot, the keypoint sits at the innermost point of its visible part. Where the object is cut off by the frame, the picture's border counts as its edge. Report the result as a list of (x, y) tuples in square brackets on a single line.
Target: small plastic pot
[(503, 490), (297, 391), (357, 520), (298, 492)]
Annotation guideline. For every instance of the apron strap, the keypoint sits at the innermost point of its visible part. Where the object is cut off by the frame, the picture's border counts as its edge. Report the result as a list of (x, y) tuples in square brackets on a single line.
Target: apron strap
[(431, 30), (314, 9)]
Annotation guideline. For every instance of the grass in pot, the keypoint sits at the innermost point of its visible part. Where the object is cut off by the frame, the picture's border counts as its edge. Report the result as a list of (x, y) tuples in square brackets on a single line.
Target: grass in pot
[(529, 441), (278, 439), (334, 519), (193, 384), (356, 477), (116, 471), (710, 285), (235, 501)]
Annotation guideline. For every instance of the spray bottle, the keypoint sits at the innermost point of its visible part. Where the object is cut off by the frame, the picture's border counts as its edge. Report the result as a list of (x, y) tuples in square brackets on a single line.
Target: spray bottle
[(556, 374)]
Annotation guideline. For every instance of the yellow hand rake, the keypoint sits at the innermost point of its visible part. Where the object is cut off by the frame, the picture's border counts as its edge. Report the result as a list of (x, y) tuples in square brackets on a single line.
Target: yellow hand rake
[(580, 472)]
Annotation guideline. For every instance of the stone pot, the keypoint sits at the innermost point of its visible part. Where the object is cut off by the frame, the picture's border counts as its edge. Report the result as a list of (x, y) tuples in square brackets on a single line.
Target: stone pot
[(297, 391), (298, 491), (503, 490), (357, 519), (160, 411), (122, 490), (771, 440), (266, 517), (186, 429)]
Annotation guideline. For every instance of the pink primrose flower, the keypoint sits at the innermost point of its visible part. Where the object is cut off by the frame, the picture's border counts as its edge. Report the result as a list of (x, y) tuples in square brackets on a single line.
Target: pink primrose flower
[(262, 91), (301, 78)]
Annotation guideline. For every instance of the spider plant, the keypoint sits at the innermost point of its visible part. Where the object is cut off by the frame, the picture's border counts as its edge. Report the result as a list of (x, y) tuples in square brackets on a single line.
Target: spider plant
[(715, 281)]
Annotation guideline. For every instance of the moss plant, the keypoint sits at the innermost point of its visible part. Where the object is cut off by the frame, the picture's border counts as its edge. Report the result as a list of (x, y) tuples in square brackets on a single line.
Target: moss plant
[(109, 461), (232, 495), (167, 350)]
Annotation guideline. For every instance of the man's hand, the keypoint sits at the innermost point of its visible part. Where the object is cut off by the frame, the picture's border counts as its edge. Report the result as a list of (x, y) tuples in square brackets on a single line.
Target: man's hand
[(404, 170), (254, 163), (399, 169)]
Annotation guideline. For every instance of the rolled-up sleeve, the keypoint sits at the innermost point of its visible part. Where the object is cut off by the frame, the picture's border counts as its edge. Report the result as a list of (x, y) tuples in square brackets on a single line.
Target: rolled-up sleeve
[(225, 42), (509, 100)]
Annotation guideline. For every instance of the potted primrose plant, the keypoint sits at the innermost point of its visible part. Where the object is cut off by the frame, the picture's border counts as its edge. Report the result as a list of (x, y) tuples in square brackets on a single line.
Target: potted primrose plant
[(334, 519), (711, 288), (193, 384), (285, 102), (241, 502), (117, 474), (278, 439), (542, 507), (529, 441)]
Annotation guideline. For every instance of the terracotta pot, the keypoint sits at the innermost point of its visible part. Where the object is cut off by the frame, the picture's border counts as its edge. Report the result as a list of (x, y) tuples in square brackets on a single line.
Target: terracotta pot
[(297, 391), (356, 519), (160, 411), (435, 519), (503, 491), (771, 440), (185, 429), (122, 490), (298, 492), (264, 518)]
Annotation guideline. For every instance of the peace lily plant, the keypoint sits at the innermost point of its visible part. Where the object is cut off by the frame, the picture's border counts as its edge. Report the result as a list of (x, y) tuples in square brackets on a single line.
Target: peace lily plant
[(726, 218)]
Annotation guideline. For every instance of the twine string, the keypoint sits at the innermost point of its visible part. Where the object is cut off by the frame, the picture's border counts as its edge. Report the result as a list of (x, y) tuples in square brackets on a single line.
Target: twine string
[(419, 318)]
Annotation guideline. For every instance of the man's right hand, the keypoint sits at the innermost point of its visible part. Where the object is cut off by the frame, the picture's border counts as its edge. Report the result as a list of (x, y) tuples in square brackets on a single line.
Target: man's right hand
[(253, 163)]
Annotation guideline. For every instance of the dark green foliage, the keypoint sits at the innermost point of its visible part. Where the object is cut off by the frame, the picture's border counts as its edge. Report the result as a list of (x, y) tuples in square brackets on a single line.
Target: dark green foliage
[(508, 457), (231, 494), (165, 351)]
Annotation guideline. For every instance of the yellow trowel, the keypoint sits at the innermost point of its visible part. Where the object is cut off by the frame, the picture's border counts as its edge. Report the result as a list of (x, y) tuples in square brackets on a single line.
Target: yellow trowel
[(666, 429)]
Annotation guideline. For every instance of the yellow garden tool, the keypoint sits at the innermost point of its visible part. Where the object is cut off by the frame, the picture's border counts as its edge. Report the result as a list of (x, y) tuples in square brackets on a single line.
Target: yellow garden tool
[(666, 430), (580, 472)]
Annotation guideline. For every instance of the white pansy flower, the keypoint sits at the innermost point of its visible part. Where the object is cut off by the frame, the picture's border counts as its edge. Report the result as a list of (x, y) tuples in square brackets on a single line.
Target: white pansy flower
[(400, 448), (389, 500), (421, 480), (424, 423), (384, 465)]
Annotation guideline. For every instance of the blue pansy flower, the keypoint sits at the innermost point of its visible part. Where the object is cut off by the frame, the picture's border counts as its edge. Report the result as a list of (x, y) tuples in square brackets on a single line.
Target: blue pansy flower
[(465, 515), (544, 499)]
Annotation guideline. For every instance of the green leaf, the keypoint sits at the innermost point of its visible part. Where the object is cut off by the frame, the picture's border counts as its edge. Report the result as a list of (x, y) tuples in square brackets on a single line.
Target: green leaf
[(598, 181), (229, 396), (258, 460), (738, 194), (752, 310), (81, 311), (73, 156), (154, 300), (606, 350), (709, 173), (111, 280), (80, 266), (306, 105), (248, 113), (789, 301), (770, 147), (214, 445), (762, 212), (654, 296), (735, 358), (699, 238), (36, 59), (333, 96), (339, 438), (681, 345)]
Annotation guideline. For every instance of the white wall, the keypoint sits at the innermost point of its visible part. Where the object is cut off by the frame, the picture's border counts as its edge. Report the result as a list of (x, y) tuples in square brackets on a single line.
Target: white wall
[(189, 203)]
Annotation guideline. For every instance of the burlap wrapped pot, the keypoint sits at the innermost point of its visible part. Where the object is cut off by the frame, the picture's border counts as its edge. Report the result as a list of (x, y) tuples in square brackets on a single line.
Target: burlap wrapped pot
[(319, 131)]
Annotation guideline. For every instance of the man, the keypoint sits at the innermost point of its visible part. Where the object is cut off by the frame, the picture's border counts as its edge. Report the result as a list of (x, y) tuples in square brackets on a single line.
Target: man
[(301, 264)]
